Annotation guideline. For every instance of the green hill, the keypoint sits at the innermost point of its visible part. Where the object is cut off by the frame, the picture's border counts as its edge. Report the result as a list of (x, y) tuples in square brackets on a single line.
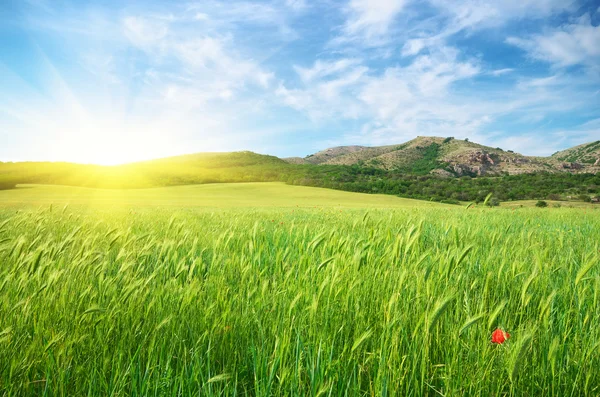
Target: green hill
[(180, 170), (588, 153), (454, 157)]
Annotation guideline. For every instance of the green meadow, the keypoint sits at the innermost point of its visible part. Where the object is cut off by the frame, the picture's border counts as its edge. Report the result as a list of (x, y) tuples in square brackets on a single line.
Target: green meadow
[(217, 195), (277, 290)]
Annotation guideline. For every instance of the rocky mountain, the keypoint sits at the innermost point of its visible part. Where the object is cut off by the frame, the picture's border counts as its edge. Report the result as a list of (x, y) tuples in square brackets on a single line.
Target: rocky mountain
[(453, 157)]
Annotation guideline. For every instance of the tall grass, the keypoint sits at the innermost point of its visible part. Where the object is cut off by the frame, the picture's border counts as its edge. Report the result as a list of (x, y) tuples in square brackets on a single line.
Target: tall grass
[(299, 302)]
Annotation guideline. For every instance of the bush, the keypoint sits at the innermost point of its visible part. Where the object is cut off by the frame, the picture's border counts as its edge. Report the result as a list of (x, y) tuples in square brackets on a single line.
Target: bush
[(450, 201), (541, 204), (585, 198), (557, 205), (7, 185), (493, 202), (448, 139)]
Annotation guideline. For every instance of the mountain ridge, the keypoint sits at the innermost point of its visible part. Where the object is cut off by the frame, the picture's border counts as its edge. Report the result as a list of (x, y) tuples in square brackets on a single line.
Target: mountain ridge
[(452, 157)]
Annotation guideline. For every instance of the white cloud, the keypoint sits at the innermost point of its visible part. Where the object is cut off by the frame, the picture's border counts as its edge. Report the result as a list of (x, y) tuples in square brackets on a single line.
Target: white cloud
[(192, 69), (468, 16), (416, 100), (571, 44), (298, 99), (407, 98), (332, 89), (296, 5), (434, 73), (414, 46), (235, 15), (501, 72), (200, 16), (328, 96), (369, 21), (324, 68), (477, 14), (540, 82), (144, 32)]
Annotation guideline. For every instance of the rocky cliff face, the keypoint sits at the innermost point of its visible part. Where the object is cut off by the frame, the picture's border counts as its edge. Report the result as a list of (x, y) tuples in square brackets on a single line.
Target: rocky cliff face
[(482, 158), (478, 163)]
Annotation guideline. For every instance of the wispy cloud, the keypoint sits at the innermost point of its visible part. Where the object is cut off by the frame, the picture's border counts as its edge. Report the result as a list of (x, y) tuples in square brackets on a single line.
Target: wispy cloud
[(298, 5), (236, 15), (325, 68), (143, 32), (500, 72), (370, 20), (570, 44), (468, 16), (409, 99)]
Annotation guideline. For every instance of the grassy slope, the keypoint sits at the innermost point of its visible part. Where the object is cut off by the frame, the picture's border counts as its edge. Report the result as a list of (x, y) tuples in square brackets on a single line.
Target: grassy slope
[(268, 194), (180, 170), (587, 153)]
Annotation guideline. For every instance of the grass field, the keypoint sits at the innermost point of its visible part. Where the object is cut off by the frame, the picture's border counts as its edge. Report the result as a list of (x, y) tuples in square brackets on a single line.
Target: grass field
[(219, 195), (222, 290)]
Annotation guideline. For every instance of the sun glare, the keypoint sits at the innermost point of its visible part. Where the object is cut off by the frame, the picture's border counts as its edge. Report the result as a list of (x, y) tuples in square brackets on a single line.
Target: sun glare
[(108, 154), (110, 146)]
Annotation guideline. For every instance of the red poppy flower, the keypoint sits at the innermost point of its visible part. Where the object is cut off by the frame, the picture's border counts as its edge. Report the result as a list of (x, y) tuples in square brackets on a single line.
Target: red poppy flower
[(499, 336)]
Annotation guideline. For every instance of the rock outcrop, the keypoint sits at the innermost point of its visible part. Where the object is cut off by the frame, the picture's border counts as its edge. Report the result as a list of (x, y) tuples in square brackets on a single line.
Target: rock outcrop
[(481, 157), (518, 160), (441, 173)]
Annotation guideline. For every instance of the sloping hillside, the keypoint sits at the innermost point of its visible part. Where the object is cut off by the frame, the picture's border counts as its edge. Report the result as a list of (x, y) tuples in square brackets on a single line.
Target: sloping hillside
[(180, 170), (453, 157), (588, 153), (327, 155)]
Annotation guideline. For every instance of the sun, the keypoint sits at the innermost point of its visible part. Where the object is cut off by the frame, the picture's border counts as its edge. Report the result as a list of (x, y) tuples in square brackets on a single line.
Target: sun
[(109, 148)]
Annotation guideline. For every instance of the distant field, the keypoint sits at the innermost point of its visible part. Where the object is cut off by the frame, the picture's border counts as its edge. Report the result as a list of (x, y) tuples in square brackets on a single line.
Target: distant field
[(268, 194), (248, 289), (228, 195), (551, 204)]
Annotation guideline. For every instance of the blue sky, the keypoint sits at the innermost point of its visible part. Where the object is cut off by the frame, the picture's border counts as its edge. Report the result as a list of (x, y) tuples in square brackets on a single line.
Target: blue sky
[(117, 81)]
